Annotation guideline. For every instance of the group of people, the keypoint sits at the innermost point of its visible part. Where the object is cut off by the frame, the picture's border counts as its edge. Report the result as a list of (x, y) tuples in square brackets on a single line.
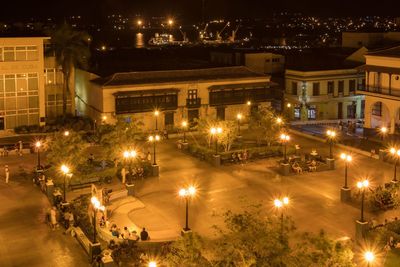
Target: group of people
[(351, 126), (240, 157), (129, 235), (18, 147)]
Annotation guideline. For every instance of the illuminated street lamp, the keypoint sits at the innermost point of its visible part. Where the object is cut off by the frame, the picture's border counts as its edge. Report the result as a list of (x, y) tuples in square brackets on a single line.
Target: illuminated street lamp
[(65, 171), (38, 144), (96, 207), (239, 117), (152, 264), (396, 153), (284, 139), (139, 22), (288, 105), (279, 121), (187, 194), (331, 135), (347, 159), (153, 139), (66, 133), (369, 257), (362, 185), (383, 130), (184, 127), (170, 22), (156, 113), (214, 133), (280, 205)]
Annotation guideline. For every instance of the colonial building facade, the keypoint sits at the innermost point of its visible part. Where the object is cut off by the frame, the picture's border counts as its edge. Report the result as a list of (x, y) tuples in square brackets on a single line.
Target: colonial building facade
[(178, 95), (382, 90)]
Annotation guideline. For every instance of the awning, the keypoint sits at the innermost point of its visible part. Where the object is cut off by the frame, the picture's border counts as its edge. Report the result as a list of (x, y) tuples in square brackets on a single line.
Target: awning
[(379, 69), (241, 86), (146, 92)]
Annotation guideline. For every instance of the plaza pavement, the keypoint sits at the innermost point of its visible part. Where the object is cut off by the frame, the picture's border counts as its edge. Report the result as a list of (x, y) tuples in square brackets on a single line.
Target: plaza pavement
[(315, 197), (25, 238)]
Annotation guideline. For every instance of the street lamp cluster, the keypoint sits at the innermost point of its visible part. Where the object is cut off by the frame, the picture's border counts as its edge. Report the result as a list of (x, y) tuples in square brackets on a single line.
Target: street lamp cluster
[(215, 132), (184, 127), (362, 185), (396, 154), (285, 138), (96, 207), (347, 159), (280, 204), (187, 194), (65, 171), (154, 139), (331, 137)]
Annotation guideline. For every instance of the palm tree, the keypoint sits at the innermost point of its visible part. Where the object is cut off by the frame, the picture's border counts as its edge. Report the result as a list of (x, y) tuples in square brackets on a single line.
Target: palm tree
[(71, 50)]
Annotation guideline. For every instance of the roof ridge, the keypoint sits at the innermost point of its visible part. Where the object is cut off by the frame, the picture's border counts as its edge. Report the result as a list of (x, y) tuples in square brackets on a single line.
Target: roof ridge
[(182, 70)]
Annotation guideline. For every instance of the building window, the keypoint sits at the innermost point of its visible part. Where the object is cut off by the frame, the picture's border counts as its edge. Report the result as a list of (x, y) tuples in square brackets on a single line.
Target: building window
[(315, 88), (312, 112), (377, 109), (20, 53), (341, 87), (169, 119), (192, 94), (275, 60), (221, 113), (352, 86), (351, 110), (297, 112), (294, 88), (9, 54), (331, 87)]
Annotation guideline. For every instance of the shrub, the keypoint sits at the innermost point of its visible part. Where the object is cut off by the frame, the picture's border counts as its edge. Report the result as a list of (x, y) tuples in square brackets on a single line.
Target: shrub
[(79, 208)]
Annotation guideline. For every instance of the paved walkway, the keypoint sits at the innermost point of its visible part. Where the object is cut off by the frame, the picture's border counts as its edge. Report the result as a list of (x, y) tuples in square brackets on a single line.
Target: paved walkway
[(25, 238), (315, 197)]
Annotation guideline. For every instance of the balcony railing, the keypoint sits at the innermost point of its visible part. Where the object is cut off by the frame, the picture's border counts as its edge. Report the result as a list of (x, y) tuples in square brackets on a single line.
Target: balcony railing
[(193, 102), (380, 90), (233, 97)]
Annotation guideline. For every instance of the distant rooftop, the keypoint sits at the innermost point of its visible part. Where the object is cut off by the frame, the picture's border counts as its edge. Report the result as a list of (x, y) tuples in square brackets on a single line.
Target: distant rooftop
[(388, 52), (321, 59), (147, 77)]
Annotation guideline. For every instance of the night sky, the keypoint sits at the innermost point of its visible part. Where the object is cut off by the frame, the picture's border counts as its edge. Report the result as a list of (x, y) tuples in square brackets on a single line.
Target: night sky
[(191, 9)]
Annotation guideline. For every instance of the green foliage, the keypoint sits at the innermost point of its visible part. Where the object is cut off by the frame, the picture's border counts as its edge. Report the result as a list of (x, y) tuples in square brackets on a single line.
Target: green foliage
[(116, 138), (187, 251), (71, 50), (254, 238), (263, 123), (79, 208), (318, 250), (69, 150), (225, 138)]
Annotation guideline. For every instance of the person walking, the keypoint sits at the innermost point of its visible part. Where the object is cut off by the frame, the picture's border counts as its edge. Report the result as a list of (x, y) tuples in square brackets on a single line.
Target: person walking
[(7, 173), (53, 218), (148, 156), (20, 147)]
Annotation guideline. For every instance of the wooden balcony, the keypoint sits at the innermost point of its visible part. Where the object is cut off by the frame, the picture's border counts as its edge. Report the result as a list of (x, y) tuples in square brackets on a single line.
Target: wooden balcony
[(193, 102)]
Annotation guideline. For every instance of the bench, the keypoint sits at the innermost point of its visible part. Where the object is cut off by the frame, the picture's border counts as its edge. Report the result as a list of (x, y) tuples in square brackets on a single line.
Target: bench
[(77, 184), (82, 239)]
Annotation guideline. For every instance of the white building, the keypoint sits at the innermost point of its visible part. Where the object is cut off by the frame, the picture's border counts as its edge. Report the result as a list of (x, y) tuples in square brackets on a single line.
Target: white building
[(382, 90)]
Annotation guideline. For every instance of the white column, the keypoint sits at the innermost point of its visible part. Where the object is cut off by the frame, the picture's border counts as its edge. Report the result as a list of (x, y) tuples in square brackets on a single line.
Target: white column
[(392, 125)]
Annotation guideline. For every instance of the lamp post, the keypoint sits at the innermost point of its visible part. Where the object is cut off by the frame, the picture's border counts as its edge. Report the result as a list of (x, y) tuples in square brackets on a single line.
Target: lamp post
[(65, 171), (239, 117), (279, 205), (156, 113), (38, 144), (248, 103), (362, 185), (187, 193), (279, 121), (346, 158), (96, 207), (369, 257), (129, 155), (284, 139), (396, 153), (153, 139), (214, 133), (184, 127), (331, 137), (383, 131)]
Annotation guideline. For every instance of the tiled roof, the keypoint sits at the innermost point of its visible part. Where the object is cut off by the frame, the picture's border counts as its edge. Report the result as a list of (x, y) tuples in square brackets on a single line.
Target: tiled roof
[(148, 77), (389, 52)]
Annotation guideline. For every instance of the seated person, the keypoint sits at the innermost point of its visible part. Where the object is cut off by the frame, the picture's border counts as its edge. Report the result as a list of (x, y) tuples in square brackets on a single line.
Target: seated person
[(126, 234), (144, 235), (296, 167), (102, 221), (239, 155), (134, 236), (312, 166), (114, 230), (234, 158)]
